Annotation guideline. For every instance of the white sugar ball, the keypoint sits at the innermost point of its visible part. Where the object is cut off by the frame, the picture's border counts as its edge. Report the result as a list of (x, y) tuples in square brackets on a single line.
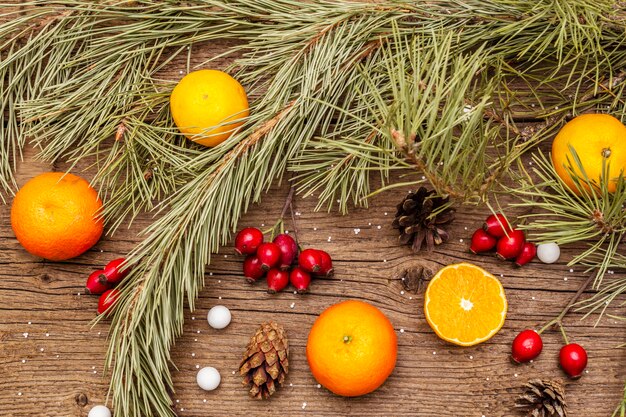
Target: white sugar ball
[(99, 411), (219, 317), (208, 378), (548, 253)]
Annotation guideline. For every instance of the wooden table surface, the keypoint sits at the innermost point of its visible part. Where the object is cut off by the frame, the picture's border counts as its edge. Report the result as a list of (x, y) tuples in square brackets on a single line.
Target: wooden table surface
[(51, 359)]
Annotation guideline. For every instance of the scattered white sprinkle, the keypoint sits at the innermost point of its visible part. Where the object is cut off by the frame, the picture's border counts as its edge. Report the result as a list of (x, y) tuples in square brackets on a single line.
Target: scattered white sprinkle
[(193, 355), (571, 270), (225, 256), (95, 372), (30, 322), (57, 356), (177, 401), (210, 274), (93, 367), (47, 334), (461, 240), (286, 232), (319, 385), (532, 298), (565, 279), (530, 162), (219, 298), (532, 105), (99, 333), (295, 292), (204, 400), (423, 177), (233, 372), (19, 394), (556, 107), (195, 340), (315, 228), (182, 409), (78, 294), (410, 298), (465, 227), (25, 334), (328, 238), (219, 281), (297, 213), (193, 317), (487, 378), (401, 292), (197, 366), (262, 224), (434, 353), (357, 231), (501, 275), (385, 213), (303, 406), (290, 384), (292, 305), (384, 260), (180, 72), (23, 360), (531, 361), (586, 371), (378, 227), (515, 375), (401, 330), (198, 332), (369, 224), (471, 357)]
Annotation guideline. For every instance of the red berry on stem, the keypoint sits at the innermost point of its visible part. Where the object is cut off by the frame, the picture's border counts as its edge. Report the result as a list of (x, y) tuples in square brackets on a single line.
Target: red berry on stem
[(300, 279), (496, 225), (509, 247), (526, 346), (97, 282), (277, 280), (310, 260), (114, 272), (482, 242), (573, 359), (288, 248), (269, 254), (107, 299), (248, 241), (252, 268), (326, 264), (529, 250)]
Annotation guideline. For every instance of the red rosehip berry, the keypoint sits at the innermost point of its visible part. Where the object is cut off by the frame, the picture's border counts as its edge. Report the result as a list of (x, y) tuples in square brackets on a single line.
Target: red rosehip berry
[(482, 242), (529, 250), (97, 283), (115, 272), (509, 247), (310, 260), (252, 268), (326, 264), (269, 254), (300, 279), (277, 280), (526, 346), (107, 299), (573, 360), (497, 225), (248, 241), (288, 248)]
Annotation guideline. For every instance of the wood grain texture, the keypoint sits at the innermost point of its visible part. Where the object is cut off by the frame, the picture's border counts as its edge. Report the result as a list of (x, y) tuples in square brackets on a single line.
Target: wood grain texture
[(51, 360)]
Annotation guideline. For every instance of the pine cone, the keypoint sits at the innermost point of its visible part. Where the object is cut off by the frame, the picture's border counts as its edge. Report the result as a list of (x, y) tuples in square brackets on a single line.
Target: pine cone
[(415, 222), (265, 362), (543, 398)]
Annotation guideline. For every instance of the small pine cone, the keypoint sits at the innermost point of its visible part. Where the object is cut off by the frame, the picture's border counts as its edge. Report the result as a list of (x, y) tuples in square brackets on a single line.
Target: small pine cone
[(265, 362), (420, 219), (543, 398)]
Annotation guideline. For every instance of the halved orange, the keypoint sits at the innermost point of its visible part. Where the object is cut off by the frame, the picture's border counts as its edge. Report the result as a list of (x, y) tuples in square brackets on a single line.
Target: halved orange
[(464, 304)]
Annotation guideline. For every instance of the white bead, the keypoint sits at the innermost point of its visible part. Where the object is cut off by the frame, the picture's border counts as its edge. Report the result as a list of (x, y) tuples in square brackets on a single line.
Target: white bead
[(208, 378), (548, 253), (219, 317), (99, 411)]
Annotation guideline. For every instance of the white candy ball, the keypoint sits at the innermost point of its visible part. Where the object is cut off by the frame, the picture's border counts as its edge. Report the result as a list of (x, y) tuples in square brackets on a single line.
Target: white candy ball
[(548, 253), (208, 378), (99, 411), (219, 317)]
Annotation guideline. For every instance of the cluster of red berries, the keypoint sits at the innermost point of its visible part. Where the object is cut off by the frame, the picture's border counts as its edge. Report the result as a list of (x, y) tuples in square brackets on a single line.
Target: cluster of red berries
[(527, 345), (103, 281), (509, 243), (274, 260)]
